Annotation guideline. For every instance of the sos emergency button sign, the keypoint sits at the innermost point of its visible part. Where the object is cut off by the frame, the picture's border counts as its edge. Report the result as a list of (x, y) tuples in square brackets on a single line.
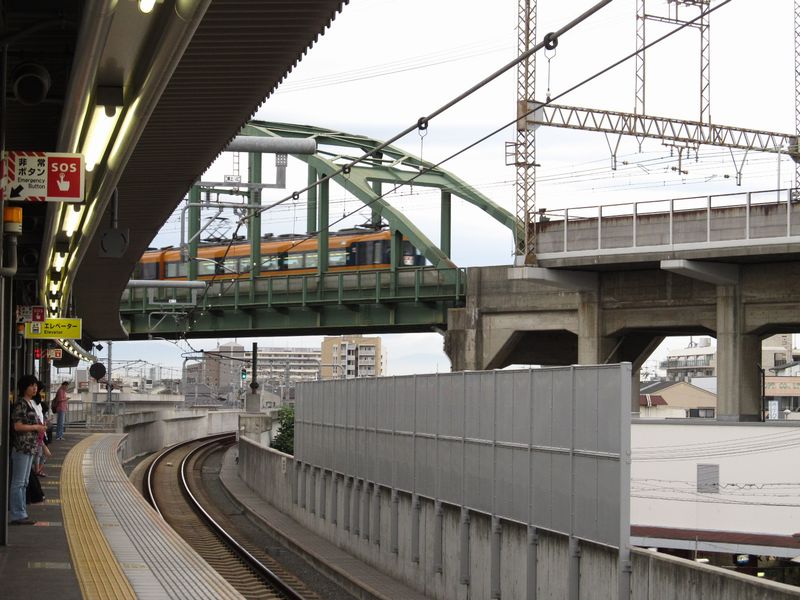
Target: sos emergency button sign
[(42, 176)]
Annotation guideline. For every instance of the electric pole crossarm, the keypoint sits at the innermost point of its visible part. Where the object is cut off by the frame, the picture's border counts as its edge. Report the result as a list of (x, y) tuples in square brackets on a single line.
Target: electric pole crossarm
[(675, 130)]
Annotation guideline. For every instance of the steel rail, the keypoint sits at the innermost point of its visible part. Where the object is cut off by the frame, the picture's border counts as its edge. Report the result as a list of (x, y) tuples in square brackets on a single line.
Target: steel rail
[(260, 568)]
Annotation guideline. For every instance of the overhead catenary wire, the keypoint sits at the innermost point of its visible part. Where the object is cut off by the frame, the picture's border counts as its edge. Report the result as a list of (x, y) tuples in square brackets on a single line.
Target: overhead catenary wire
[(423, 122), (549, 37), (391, 68), (568, 172)]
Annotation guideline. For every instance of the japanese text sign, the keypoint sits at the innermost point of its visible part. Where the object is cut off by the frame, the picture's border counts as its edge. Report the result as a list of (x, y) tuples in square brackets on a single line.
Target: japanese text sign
[(54, 329), (26, 314), (42, 176)]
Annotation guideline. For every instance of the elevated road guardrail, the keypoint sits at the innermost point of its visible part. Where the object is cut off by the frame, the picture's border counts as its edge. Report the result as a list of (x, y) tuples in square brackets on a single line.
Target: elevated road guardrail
[(728, 227)]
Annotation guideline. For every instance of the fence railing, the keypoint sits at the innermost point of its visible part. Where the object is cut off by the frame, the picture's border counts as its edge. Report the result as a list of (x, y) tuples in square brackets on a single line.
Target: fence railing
[(346, 287)]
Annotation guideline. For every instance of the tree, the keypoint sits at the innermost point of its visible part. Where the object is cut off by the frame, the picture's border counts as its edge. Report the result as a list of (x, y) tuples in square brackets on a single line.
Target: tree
[(284, 441)]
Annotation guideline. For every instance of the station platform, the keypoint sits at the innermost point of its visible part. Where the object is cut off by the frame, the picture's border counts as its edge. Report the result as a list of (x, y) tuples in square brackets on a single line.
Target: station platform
[(96, 537)]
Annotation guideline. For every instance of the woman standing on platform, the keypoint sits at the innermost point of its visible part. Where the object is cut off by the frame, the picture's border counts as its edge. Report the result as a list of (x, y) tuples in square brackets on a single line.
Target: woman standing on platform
[(26, 432), (42, 451)]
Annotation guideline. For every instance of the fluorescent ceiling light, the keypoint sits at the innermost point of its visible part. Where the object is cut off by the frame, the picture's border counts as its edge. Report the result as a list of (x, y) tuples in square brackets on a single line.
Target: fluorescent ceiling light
[(58, 260), (120, 141), (72, 219), (100, 130), (146, 6)]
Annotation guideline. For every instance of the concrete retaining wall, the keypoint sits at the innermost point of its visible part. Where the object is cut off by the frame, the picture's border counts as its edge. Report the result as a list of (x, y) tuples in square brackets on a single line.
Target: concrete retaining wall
[(446, 557), (152, 431), (662, 577), (435, 550)]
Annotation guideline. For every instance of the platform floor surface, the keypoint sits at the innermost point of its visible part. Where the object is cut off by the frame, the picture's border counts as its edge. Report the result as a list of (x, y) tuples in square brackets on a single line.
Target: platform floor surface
[(36, 561)]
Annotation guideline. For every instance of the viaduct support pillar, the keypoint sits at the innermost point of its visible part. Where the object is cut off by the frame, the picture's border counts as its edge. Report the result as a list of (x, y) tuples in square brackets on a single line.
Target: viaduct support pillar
[(738, 355), (597, 348), (593, 347), (463, 340)]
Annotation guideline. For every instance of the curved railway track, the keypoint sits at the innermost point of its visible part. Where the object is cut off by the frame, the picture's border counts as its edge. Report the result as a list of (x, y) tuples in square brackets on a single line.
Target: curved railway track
[(173, 484)]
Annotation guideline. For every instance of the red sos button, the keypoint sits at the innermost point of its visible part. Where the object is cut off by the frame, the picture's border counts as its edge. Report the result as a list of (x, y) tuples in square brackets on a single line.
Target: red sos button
[(65, 177)]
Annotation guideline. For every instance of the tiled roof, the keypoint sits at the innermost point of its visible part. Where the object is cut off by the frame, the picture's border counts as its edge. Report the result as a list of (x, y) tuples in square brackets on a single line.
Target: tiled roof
[(651, 400)]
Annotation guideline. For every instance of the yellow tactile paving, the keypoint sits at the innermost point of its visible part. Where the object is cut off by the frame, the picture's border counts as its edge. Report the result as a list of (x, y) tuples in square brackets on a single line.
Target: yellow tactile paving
[(100, 575)]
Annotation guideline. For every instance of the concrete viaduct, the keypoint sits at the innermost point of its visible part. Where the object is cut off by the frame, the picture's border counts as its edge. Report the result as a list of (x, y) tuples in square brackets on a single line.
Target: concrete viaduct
[(593, 299)]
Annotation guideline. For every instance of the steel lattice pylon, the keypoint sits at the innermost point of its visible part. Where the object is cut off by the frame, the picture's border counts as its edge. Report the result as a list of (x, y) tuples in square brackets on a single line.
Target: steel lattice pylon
[(638, 106), (705, 51), (796, 91), (525, 149)]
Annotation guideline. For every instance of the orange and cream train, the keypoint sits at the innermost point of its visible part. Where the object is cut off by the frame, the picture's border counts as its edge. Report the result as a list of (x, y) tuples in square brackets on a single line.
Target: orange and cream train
[(348, 250)]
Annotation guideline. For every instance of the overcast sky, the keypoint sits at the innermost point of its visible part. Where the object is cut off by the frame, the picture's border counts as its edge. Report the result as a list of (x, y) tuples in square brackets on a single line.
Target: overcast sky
[(385, 63)]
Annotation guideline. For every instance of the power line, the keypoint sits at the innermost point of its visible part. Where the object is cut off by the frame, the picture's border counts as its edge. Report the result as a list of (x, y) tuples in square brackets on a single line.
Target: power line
[(391, 68), (423, 122)]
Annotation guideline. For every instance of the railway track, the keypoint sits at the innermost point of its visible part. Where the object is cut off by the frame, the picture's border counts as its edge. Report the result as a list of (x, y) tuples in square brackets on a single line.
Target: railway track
[(173, 484)]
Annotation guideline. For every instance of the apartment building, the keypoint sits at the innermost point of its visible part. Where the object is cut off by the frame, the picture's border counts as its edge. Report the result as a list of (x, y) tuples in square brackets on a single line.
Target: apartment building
[(348, 357), (699, 358), (282, 366)]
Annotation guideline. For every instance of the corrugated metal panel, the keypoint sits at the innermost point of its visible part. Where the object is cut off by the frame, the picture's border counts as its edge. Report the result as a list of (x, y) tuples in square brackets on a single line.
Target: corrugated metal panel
[(239, 54), (542, 446)]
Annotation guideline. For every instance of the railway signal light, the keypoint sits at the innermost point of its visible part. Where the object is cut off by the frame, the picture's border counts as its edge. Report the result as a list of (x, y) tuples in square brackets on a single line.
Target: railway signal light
[(244, 373), (37, 353)]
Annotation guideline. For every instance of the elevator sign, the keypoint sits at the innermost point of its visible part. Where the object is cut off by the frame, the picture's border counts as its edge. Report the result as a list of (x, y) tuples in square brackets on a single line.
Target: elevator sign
[(54, 329), (42, 176)]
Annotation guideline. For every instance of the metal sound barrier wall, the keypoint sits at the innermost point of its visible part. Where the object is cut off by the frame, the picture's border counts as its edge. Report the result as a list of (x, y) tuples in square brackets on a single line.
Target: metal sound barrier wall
[(549, 448)]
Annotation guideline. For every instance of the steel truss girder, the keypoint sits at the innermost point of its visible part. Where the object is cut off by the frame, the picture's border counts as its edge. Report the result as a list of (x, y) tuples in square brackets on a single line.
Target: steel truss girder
[(676, 130), (394, 166), (329, 320)]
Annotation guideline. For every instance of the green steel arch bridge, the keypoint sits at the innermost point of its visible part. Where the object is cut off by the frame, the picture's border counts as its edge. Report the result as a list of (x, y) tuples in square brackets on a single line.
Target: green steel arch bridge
[(397, 299)]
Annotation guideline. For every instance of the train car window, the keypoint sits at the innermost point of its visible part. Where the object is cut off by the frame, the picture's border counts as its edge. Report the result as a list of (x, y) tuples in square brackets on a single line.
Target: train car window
[(231, 265), (148, 270), (311, 259), (174, 269), (206, 267), (380, 253), (337, 258), (409, 254), (269, 263), (244, 264), (294, 260), (362, 253)]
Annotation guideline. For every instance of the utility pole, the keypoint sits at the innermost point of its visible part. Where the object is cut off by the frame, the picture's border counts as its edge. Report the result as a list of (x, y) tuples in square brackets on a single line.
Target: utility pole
[(253, 397), (525, 147), (108, 376), (286, 383)]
